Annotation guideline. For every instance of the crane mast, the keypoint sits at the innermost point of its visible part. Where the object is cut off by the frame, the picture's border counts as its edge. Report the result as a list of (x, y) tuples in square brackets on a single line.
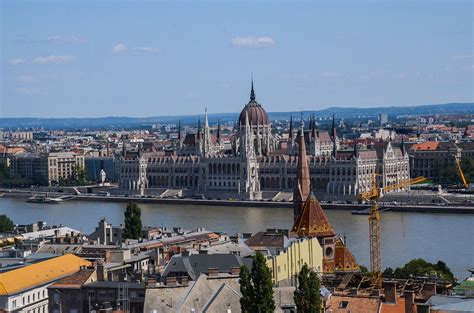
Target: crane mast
[(461, 173), (372, 196)]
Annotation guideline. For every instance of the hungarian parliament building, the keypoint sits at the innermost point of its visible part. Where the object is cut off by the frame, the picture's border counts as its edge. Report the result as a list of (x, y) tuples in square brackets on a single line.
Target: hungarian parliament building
[(257, 161)]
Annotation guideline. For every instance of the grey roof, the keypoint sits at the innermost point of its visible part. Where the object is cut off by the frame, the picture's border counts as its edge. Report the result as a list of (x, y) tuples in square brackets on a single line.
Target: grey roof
[(451, 304), (230, 247), (206, 294), (114, 284), (197, 264)]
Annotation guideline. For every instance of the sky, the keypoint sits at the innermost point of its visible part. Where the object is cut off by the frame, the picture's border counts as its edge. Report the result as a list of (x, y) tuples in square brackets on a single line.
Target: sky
[(149, 58)]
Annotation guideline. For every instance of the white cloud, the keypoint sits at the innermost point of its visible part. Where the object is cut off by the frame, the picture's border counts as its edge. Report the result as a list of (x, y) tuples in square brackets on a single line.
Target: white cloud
[(121, 48), (462, 57), (64, 39), (150, 50), (16, 61), (29, 91), (331, 74), (253, 42), (53, 59), (25, 79)]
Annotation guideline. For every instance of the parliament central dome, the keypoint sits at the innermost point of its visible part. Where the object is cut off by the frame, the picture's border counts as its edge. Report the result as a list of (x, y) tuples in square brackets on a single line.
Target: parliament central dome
[(256, 113)]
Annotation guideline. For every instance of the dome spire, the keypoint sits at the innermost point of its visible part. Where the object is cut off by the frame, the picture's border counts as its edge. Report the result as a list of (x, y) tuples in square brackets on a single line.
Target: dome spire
[(252, 92)]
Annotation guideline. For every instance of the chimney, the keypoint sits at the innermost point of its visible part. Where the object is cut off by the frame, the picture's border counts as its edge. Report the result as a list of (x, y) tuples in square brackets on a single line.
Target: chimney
[(235, 271), (101, 274), (429, 289), (184, 280), (423, 308), (212, 272), (409, 301), (171, 281), (151, 281), (375, 293), (390, 290)]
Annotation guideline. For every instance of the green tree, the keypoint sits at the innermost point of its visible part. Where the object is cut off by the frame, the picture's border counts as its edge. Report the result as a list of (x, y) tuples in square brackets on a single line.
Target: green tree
[(6, 224), (307, 296), (133, 221), (420, 267), (246, 288), (257, 288), (79, 175)]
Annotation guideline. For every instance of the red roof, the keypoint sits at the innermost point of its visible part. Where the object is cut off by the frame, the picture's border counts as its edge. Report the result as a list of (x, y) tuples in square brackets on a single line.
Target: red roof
[(428, 145)]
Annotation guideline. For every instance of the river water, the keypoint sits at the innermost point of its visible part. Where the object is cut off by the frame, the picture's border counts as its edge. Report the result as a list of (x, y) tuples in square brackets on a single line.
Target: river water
[(404, 236)]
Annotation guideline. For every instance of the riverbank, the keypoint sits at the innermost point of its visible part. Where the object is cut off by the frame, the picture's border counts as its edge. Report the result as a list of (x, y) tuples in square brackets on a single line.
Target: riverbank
[(431, 208)]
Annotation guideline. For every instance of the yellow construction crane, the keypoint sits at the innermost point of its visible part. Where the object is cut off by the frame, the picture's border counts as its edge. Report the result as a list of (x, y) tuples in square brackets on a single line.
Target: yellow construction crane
[(461, 173), (372, 197)]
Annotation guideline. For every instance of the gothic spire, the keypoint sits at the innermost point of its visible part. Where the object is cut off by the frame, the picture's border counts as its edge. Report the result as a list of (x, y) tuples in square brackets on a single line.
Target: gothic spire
[(199, 129), (291, 134), (252, 92), (402, 145), (179, 131), (313, 127), (303, 180), (219, 130)]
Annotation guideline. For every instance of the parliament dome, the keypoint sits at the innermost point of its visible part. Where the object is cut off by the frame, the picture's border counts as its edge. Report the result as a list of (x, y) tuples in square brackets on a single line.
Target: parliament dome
[(256, 113)]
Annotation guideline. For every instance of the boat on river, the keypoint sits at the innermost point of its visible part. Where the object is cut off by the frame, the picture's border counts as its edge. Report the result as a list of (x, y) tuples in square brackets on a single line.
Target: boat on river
[(367, 211), (44, 199)]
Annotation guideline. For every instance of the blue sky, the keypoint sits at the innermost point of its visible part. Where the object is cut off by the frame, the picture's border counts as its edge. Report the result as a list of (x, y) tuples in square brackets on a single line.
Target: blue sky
[(108, 58)]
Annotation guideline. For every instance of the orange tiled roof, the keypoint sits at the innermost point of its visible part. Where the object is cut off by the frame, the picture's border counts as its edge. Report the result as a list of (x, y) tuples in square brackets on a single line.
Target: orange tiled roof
[(344, 259), (428, 145), (339, 304), (14, 281), (75, 281), (312, 222)]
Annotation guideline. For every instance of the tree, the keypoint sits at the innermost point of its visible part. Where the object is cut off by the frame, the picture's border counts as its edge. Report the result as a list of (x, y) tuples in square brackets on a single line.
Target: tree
[(420, 267), (6, 224), (307, 295), (246, 288), (262, 284), (257, 288), (79, 175), (133, 221)]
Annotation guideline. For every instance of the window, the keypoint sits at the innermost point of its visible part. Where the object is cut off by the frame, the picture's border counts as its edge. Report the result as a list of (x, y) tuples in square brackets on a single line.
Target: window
[(343, 304)]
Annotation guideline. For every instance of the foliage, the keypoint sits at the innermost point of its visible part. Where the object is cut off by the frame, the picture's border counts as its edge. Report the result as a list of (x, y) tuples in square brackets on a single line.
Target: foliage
[(78, 177), (420, 267), (257, 287), (307, 296), (447, 172), (6, 224), (133, 221), (363, 269), (6, 180), (246, 288)]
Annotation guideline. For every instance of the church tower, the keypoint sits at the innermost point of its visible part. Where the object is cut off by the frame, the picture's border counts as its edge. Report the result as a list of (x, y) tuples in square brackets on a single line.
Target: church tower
[(303, 181)]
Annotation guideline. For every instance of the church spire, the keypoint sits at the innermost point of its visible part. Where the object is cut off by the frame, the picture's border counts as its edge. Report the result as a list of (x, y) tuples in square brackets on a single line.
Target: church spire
[(219, 130), (291, 135), (179, 131), (303, 180), (334, 136), (199, 129), (313, 127), (252, 92)]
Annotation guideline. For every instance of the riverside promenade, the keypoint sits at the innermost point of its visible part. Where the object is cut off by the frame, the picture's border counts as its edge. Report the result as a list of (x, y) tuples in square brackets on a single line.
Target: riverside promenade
[(420, 208)]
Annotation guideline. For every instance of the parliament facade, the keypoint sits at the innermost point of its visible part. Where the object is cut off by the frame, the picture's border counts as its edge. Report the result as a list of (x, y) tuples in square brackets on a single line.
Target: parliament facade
[(258, 160)]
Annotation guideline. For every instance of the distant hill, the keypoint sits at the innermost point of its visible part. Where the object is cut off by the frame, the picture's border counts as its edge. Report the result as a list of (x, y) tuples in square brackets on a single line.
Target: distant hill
[(133, 122)]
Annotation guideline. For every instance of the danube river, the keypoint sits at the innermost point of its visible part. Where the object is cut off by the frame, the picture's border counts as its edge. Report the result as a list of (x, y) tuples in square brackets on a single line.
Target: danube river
[(447, 237)]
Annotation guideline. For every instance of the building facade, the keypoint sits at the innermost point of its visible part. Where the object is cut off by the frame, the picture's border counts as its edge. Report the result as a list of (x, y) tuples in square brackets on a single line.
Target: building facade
[(256, 162)]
